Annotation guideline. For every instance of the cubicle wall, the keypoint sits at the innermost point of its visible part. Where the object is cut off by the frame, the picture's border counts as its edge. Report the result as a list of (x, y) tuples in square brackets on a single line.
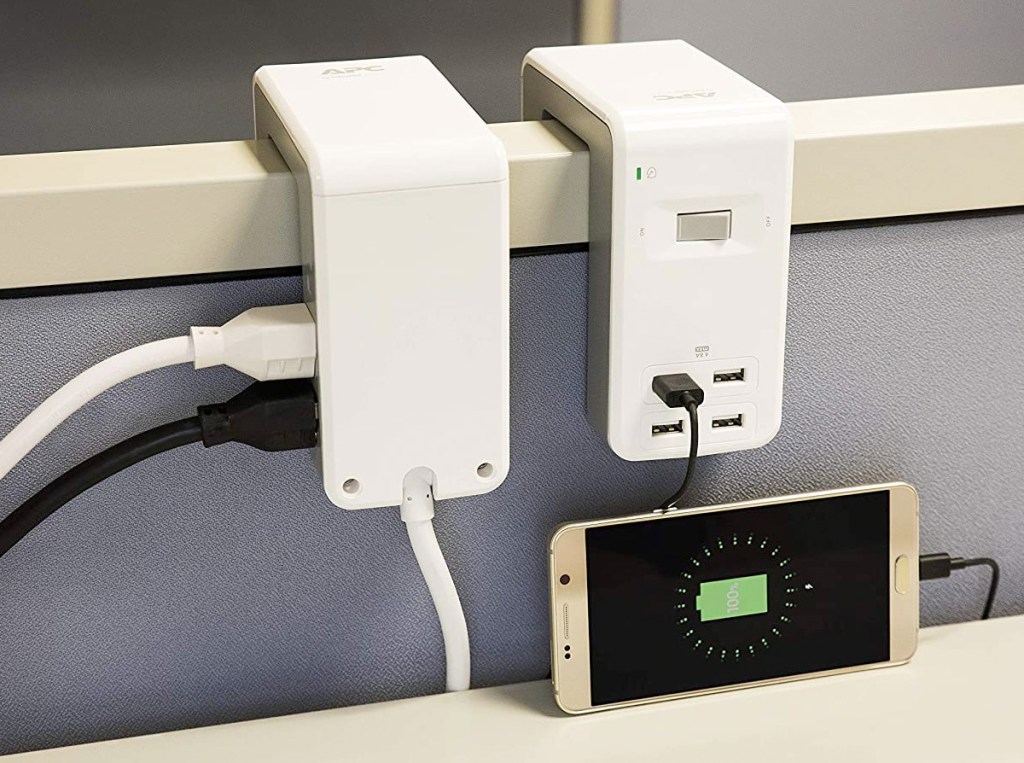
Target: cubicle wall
[(203, 587)]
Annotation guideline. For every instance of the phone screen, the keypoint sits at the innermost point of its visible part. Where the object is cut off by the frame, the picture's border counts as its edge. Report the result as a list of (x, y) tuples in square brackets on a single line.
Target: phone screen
[(708, 600)]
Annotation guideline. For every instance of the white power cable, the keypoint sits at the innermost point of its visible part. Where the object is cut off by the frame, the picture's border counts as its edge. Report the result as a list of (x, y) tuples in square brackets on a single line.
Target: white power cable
[(418, 513), (83, 388), (265, 342)]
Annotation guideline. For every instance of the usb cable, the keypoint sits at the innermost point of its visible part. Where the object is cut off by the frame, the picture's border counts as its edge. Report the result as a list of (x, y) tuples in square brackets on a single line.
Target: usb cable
[(681, 391), (935, 566)]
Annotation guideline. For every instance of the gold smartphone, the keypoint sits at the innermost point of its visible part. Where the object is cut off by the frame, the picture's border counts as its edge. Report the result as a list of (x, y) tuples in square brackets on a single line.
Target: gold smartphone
[(680, 603)]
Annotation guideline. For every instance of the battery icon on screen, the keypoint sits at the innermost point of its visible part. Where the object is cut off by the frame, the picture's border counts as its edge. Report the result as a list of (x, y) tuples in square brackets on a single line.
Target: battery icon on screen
[(733, 597)]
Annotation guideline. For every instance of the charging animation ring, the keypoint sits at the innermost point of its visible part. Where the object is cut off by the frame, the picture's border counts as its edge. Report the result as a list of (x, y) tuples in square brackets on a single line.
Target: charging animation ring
[(736, 597)]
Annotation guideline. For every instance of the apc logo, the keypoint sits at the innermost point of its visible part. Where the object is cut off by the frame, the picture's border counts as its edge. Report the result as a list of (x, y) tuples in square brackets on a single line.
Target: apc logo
[(350, 71), (680, 96)]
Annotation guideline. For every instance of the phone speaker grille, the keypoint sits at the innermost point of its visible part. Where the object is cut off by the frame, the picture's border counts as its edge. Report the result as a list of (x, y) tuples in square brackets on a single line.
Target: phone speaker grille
[(565, 621)]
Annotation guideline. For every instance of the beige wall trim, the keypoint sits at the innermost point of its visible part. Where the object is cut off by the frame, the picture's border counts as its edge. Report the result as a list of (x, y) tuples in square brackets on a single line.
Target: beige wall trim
[(918, 153), (167, 211), (598, 21)]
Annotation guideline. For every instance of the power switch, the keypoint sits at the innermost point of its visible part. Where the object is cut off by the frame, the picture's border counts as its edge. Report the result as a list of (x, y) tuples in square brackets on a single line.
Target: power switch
[(704, 226)]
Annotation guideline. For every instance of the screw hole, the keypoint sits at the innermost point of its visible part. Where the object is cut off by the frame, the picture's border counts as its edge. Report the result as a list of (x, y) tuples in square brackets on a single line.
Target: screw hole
[(485, 470), (351, 486), (564, 580), (568, 656)]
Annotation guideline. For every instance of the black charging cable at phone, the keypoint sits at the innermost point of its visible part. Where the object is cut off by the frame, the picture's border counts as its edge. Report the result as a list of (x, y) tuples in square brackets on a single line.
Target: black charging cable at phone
[(936, 566)]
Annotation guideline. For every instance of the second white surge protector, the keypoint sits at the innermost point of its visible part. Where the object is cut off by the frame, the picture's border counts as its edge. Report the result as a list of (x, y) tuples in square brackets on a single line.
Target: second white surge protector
[(690, 194)]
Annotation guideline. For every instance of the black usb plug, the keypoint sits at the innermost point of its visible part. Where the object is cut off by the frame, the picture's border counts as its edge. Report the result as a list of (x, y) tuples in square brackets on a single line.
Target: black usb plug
[(677, 390), (935, 566)]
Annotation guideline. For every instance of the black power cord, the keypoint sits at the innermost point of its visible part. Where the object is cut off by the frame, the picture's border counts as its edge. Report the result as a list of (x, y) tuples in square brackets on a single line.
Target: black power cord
[(76, 481), (270, 416), (935, 566), (681, 391)]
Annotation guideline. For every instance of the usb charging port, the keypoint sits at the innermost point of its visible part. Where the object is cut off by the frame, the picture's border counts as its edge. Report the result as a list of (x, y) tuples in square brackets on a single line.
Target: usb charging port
[(723, 422), (729, 375), (672, 427)]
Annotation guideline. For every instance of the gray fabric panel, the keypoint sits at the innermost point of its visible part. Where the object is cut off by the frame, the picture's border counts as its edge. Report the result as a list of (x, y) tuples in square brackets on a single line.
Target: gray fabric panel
[(210, 586)]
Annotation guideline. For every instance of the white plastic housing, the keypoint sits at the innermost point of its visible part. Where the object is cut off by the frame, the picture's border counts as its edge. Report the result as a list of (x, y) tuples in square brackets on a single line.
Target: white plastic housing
[(403, 206), (673, 132)]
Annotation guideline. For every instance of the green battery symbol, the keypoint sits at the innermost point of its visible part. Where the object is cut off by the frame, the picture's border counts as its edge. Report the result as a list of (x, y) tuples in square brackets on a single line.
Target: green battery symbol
[(733, 597), (639, 172)]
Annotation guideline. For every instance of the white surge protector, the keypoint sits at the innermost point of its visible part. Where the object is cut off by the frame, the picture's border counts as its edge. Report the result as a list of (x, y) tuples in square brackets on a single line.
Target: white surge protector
[(690, 196), (403, 207)]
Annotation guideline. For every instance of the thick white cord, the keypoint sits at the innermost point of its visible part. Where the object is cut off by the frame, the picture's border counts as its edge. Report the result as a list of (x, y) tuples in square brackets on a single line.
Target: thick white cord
[(418, 513), (83, 388), (277, 342)]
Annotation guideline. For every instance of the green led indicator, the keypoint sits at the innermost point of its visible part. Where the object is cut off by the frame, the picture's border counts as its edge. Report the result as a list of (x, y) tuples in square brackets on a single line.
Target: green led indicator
[(639, 172), (733, 597)]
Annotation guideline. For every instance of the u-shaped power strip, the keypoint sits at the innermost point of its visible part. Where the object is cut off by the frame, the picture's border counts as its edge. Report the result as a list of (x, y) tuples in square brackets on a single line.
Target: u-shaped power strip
[(690, 196), (403, 207)]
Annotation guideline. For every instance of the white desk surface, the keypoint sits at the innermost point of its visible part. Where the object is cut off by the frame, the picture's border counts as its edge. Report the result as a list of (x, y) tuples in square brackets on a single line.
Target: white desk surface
[(958, 700)]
